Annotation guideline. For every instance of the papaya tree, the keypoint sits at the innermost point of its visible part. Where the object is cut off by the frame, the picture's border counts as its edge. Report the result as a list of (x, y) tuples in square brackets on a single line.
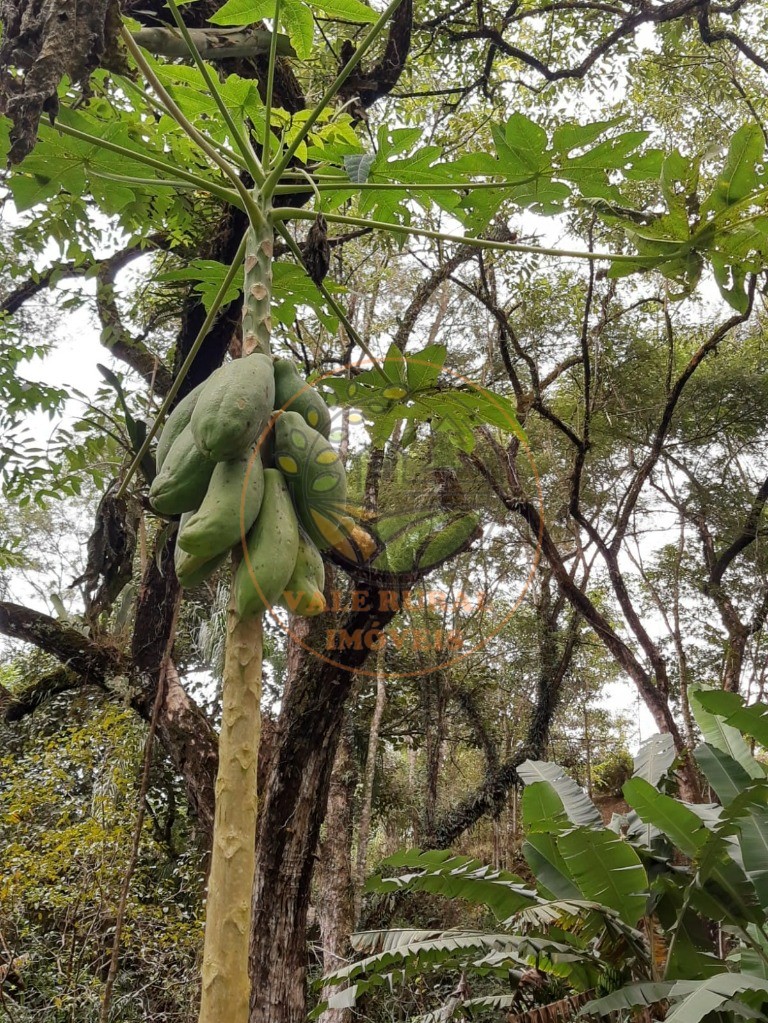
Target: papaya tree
[(185, 144)]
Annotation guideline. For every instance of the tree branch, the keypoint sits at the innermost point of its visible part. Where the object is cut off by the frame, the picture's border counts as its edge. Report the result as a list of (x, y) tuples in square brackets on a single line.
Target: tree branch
[(636, 486), (114, 334), (93, 663), (213, 43), (631, 21), (381, 79), (747, 536), (491, 795), (15, 706)]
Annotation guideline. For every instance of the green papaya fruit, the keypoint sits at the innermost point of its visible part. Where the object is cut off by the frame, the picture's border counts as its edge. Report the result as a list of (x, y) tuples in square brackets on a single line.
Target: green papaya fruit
[(175, 423), (419, 543), (181, 484), (192, 570), (234, 408), (304, 593), (294, 394), (316, 479), (272, 548), (229, 508)]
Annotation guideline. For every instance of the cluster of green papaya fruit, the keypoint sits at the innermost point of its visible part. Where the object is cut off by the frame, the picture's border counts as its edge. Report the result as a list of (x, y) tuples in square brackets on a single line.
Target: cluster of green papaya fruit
[(246, 453), (211, 473)]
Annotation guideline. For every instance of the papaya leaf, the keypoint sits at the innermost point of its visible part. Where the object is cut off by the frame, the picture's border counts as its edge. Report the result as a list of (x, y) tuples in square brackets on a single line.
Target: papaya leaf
[(358, 166), (569, 135), (296, 18), (208, 275), (424, 367), (741, 173), (731, 279), (246, 12)]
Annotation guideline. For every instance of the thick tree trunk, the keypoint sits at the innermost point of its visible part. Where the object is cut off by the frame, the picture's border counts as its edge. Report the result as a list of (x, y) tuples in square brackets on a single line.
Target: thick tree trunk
[(293, 808), (335, 889)]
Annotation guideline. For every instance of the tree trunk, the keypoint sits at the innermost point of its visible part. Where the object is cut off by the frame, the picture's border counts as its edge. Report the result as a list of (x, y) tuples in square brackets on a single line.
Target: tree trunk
[(335, 890), (364, 827), (226, 984), (434, 700), (226, 987), (294, 805), (293, 808)]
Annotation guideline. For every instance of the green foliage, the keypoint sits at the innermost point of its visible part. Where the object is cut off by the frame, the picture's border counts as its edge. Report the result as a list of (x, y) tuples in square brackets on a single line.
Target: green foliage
[(603, 897), (67, 816), (114, 162), (609, 775), (409, 388)]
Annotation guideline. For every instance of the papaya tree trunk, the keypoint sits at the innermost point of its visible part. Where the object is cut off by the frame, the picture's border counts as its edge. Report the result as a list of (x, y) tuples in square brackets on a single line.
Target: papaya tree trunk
[(226, 987)]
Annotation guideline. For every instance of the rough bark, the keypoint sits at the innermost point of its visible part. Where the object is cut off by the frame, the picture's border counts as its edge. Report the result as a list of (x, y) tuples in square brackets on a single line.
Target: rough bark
[(49, 39), (288, 93), (93, 662), (364, 827), (335, 888), (434, 701), (293, 807), (381, 79)]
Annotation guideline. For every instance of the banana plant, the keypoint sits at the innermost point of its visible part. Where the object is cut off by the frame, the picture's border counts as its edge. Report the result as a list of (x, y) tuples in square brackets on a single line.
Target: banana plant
[(664, 907), (190, 138)]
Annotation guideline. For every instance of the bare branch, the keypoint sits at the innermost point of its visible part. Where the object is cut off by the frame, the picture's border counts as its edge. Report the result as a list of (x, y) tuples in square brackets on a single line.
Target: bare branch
[(114, 334), (637, 484)]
